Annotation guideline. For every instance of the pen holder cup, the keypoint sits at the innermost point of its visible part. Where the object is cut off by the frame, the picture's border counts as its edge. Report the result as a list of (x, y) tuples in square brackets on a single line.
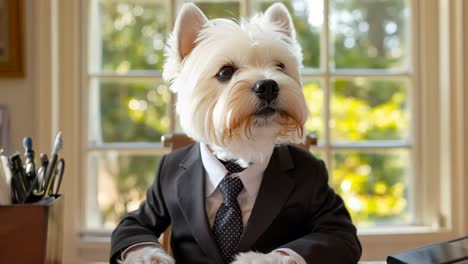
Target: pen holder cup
[(32, 233)]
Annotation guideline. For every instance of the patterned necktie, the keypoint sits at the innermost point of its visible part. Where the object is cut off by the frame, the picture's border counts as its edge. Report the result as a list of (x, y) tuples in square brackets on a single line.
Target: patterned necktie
[(228, 227), (232, 167)]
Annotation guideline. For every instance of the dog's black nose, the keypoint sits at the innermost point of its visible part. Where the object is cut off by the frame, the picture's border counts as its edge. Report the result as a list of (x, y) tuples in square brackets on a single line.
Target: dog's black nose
[(266, 90)]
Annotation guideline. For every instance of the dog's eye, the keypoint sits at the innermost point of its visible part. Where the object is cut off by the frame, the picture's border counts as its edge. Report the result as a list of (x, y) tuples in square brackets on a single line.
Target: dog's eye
[(280, 66), (225, 74)]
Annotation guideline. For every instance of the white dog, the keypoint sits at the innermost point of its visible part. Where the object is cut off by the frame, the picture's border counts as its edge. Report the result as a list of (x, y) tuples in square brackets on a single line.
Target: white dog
[(239, 93), (213, 65)]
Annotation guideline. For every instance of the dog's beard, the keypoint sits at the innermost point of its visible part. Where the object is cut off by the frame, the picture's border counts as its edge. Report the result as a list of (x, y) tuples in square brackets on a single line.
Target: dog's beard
[(230, 119), (236, 115), (243, 133)]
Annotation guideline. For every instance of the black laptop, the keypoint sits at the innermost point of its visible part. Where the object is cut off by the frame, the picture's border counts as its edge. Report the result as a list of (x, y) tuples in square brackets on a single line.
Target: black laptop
[(448, 252)]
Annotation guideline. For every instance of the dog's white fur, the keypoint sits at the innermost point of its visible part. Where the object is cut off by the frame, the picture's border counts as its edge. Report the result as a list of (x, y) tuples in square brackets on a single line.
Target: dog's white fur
[(223, 114), (148, 255), (156, 255)]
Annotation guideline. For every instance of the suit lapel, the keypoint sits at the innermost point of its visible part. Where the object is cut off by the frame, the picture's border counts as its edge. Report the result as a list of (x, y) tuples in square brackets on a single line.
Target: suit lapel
[(191, 198), (273, 193)]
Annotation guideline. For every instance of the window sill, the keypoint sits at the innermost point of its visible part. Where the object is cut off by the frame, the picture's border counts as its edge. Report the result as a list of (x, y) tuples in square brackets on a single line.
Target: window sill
[(396, 230), (388, 241)]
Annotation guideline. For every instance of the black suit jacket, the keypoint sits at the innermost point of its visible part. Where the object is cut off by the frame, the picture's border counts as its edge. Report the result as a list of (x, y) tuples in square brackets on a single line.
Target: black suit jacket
[(295, 208)]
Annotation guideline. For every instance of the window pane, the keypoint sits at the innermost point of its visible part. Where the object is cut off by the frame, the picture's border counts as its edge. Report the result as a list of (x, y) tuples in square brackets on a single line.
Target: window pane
[(219, 9), (313, 94), (370, 34), (128, 111), (127, 35), (116, 186), (374, 185), (363, 109), (308, 20)]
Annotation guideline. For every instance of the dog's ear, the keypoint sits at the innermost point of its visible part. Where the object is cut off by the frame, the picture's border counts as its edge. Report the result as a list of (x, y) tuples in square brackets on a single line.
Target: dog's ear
[(188, 24), (278, 14)]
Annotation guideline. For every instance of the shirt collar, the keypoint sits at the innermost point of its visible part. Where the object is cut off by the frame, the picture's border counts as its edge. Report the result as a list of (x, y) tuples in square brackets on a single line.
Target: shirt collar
[(251, 177)]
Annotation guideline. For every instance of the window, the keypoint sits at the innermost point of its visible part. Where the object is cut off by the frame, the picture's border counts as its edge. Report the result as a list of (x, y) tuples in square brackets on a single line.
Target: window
[(358, 82)]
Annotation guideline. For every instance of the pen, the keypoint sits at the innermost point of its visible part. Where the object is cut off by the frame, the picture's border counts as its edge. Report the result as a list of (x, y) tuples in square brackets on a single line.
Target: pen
[(50, 175), (58, 177), (41, 172), (17, 170), (29, 166)]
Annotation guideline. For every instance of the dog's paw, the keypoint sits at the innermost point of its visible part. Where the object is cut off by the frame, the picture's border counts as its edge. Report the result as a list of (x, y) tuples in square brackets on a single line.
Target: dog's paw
[(148, 255), (259, 258)]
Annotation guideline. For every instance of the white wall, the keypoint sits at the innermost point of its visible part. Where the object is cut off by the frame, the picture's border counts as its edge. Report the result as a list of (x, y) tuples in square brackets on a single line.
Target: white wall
[(18, 94)]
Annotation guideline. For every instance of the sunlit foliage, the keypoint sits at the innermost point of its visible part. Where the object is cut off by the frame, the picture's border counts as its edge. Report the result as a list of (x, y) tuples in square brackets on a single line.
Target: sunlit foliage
[(364, 34)]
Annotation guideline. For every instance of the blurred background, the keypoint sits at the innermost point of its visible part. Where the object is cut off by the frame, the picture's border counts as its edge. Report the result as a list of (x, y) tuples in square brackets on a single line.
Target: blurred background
[(383, 80), (358, 92)]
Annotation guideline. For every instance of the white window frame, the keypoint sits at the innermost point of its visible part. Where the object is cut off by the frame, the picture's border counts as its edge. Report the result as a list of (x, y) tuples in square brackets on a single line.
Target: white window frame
[(439, 55), (324, 73)]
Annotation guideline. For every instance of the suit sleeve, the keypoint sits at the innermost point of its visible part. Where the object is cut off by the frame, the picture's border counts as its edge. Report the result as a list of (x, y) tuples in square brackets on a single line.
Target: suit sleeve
[(332, 236), (145, 224)]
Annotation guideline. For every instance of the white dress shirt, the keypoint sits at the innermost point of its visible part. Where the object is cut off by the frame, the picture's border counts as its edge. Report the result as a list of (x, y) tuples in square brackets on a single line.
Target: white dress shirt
[(251, 178)]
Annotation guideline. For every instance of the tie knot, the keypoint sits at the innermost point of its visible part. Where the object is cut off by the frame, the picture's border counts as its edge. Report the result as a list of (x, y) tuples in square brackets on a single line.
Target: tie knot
[(232, 167), (230, 187)]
